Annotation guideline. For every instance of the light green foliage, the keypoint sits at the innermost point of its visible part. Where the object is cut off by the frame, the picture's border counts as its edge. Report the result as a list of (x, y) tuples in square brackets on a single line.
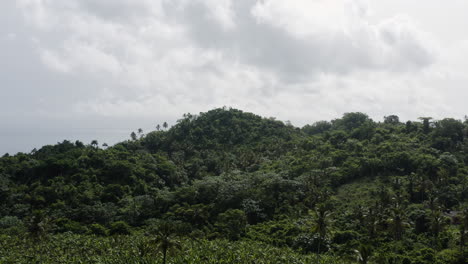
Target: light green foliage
[(69, 248)]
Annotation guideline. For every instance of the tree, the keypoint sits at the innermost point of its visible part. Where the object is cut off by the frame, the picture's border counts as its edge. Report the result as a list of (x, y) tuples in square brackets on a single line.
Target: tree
[(317, 127), (447, 134), (165, 125), (232, 223), (79, 144), (410, 187), (166, 240), (351, 121), (363, 253), (133, 136), (140, 133), (94, 143), (410, 127), (450, 128), (253, 211), (438, 222), (426, 124), (158, 127), (463, 231), (398, 223), (321, 223), (223, 170), (40, 225), (392, 119)]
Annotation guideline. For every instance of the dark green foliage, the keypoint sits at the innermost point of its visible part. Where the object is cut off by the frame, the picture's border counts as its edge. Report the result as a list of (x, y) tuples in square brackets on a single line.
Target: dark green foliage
[(370, 192), (317, 128), (119, 228), (97, 229), (67, 225), (232, 223)]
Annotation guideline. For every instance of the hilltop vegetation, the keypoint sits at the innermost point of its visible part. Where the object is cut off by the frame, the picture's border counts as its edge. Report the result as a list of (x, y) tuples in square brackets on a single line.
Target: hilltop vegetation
[(227, 186)]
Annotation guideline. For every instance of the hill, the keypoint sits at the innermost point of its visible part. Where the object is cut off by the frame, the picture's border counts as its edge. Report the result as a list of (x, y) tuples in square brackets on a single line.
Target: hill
[(384, 192)]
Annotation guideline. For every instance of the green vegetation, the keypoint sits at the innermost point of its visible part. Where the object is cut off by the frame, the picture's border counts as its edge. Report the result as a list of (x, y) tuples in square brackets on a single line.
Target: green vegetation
[(231, 187), (139, 249)]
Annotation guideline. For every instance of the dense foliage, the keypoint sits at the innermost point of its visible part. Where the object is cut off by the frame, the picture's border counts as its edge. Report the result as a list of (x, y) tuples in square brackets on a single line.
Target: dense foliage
[(72, 248), (232, 187)]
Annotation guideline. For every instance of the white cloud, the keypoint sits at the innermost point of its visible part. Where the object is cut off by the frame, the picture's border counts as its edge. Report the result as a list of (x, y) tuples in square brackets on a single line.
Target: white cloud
[(51, 60), (221, 12), (302, 18), (299, 60), (162, 52)]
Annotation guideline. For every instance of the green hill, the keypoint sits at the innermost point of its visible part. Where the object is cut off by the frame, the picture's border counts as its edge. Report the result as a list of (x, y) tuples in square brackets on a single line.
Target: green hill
[(347, 189)]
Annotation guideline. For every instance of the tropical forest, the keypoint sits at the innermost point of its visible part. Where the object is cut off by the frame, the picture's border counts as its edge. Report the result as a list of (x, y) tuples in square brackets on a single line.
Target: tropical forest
[(228, 186)]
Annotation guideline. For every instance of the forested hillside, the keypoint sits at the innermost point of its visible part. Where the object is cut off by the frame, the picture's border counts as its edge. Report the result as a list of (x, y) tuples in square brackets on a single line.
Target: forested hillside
[(227, 186)]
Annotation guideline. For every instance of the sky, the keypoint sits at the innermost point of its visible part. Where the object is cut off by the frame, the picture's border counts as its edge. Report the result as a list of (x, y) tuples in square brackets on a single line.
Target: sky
[(100, 69)]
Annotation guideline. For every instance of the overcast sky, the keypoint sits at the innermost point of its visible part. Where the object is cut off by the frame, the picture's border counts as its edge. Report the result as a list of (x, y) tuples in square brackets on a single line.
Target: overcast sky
[(99, 69)]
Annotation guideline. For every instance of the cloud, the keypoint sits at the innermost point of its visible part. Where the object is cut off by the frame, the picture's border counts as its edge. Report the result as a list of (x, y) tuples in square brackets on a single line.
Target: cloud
[(137, 61), (295, 41), (81, 58), (298, 36)]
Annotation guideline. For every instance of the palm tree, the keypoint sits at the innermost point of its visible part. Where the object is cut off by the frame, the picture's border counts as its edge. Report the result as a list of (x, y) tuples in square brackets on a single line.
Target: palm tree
[(463, 231), (370, 221), (166, 240), (133, 136), (398, 223), (433, 203), (363, 253), (40, 225), (410, 187), (438, 222), (321, 223), (426, 123)]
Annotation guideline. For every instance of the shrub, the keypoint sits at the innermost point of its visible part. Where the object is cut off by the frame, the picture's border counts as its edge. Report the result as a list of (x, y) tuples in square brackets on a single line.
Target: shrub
[(232, 223), (11, 225), (99, 230), (343, 237), (119, 228), (309, 243), (449, 256), (67, 225), (10, 221)]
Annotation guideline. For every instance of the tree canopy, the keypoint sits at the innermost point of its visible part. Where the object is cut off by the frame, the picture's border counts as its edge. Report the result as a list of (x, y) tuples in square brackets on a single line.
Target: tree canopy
[(350, 188)]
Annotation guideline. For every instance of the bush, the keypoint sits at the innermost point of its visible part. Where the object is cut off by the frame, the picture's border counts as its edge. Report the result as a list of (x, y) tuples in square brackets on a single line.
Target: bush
[(309, 243), (11, 225), (119, 228), (343, 237), (99, 230), (67, 225), (9, 221), (426, 255), (449, 256), (232, 223), (279, 233)]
